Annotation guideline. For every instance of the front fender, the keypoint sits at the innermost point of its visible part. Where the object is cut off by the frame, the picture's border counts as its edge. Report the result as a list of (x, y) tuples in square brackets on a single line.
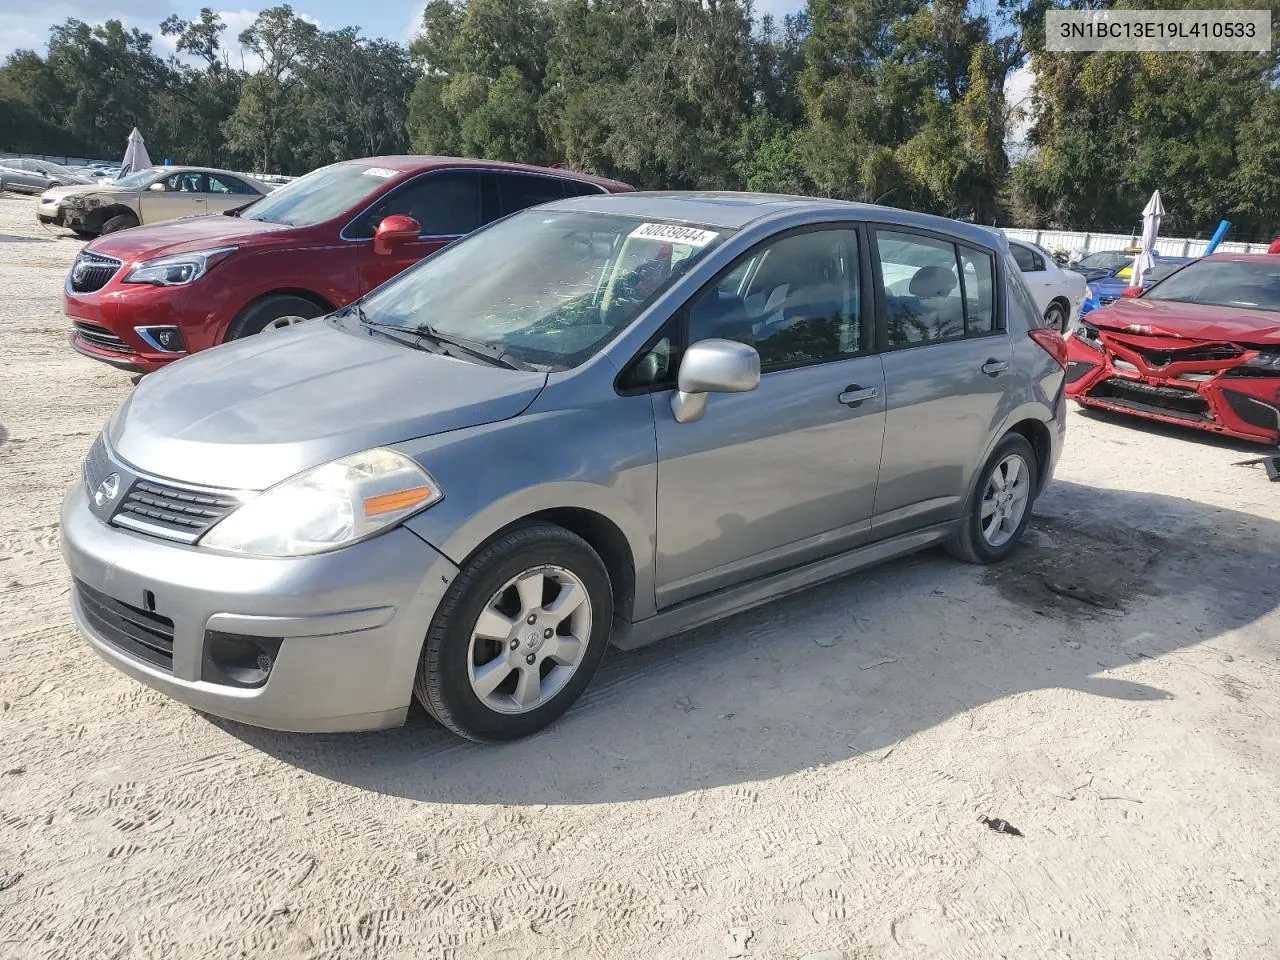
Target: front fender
[(598, 457)]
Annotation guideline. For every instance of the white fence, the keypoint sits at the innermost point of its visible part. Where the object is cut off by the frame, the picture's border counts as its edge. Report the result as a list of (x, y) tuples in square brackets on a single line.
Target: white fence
[(1092, 242)]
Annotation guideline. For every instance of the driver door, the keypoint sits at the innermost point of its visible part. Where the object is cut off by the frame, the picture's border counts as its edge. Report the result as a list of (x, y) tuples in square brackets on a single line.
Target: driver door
[(787, 473), (183, 196)]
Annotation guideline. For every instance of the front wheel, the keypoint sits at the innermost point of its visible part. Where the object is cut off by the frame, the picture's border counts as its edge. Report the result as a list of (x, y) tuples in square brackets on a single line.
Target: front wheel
[(273, 313), (518, 635), (122, 221), (1000, 507)]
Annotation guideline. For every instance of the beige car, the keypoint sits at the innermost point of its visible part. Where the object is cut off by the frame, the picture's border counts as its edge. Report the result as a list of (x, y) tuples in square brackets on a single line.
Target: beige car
[(161, 193)]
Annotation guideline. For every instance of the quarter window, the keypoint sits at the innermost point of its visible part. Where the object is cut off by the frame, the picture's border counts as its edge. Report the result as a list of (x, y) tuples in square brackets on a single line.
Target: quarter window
[(796, 301), (977, 276)]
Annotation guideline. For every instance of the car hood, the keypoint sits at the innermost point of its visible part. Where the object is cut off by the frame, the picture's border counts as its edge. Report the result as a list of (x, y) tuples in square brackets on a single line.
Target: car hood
[(63, 191), (1191, 321), (255, 411), (182, 236)]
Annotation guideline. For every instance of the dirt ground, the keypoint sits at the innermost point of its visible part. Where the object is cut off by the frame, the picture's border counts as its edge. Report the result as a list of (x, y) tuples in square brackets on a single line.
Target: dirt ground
[(808, 776)]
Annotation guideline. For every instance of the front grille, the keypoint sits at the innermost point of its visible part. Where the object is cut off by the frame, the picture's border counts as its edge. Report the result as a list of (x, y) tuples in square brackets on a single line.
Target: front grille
[(101, 337), (91, 272), (183, 512), (1167, 401), (1104, 299), (139, 633), (1206, 354)]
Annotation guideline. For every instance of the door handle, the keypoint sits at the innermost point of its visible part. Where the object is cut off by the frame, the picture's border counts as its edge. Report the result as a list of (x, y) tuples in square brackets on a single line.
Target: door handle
[(994, 367), (854, 395)]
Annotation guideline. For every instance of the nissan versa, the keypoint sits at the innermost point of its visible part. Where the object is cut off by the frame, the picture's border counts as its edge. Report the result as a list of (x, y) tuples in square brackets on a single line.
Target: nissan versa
[(609, 418)]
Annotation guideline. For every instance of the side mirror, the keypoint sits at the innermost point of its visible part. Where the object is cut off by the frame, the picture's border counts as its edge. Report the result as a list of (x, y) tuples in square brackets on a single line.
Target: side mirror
[(157, 187), (1130, 292), (395, 231), (713, 366)]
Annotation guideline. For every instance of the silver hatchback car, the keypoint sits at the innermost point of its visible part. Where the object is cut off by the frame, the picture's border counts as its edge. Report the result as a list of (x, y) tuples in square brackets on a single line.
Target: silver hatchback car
[(607, 419)]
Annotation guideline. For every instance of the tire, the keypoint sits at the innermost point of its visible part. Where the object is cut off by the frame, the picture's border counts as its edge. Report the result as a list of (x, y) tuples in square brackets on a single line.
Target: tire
[(444, 681), (84, 234), (121, 221), (1055, 318), (970, 542), (257, 316)]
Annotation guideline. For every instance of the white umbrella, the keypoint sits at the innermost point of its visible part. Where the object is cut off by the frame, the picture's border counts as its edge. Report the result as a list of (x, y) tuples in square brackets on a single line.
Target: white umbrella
[(135, 155), (1146, 258)]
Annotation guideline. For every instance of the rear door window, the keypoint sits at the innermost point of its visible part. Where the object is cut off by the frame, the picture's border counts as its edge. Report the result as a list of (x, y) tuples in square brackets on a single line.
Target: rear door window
[(935, 290), (516, 191)]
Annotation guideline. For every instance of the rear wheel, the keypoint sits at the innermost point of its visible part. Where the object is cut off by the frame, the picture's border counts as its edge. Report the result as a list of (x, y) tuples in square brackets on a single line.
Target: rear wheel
[(1000, 506), (1055, 318), (273, 313), (121, 221), (518, 635)]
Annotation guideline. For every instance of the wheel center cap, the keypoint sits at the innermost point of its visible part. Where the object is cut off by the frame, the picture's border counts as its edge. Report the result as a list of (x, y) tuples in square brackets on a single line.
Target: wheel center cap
[(533, 639)]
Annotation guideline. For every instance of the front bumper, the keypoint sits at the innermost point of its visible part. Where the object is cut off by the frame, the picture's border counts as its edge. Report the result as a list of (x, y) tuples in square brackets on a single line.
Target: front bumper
[(349, 624), (49, 211), (1200, 393), (119, 313)]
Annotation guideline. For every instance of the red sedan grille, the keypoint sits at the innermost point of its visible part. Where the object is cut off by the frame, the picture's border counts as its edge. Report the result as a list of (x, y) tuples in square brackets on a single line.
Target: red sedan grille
[(1201, 354)]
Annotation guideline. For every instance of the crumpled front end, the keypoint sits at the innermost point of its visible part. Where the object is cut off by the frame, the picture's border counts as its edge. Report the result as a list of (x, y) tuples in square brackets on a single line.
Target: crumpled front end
[(1216, 385)]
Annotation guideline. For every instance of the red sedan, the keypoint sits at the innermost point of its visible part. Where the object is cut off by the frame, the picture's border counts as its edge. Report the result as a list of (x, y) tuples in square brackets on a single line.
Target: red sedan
[(1201, 348), (144, 297)]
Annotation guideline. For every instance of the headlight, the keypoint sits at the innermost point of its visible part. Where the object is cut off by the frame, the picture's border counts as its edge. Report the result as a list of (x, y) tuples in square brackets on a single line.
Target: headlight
[(1088, 292), (327, 507), (1087, 334), (1265, 360), (48, 198), (179, 269)]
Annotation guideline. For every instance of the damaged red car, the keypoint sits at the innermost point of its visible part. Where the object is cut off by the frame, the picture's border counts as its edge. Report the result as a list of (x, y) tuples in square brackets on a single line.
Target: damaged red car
[(1199, 348)]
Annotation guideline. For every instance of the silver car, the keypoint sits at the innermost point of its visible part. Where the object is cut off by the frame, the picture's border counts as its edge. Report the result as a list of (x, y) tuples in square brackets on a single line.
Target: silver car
[(603, 420), (22, 175)]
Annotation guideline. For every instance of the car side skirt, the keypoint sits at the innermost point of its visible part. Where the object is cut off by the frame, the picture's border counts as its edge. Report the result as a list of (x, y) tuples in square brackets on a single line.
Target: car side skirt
[(744, 596)]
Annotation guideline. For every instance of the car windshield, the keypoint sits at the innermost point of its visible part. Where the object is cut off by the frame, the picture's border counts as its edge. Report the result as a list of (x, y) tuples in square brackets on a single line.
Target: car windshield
[(1250, 284), (550, 288), (1105, 260), (321, 195), (140, 179)]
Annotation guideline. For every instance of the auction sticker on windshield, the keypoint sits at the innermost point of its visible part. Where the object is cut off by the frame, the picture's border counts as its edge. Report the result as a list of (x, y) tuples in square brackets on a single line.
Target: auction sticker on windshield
[(382, 172), (670, 233)]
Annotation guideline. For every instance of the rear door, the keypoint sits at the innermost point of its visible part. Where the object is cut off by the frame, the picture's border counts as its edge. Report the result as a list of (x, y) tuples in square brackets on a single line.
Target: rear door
[(226, 193), (947, 360), (786, 473), (447, 204)]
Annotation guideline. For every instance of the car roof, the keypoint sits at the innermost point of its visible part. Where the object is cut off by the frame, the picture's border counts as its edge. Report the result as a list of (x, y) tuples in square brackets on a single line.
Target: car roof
[(1246, 257), (736, 210), (412, 163)]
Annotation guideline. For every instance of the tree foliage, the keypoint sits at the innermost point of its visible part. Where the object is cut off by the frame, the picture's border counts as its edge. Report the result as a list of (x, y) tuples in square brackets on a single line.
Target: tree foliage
[(896, 101)]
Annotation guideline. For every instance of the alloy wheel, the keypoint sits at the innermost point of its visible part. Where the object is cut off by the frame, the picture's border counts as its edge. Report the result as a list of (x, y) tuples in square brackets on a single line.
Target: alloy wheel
[(529, 640), (1005, 499)]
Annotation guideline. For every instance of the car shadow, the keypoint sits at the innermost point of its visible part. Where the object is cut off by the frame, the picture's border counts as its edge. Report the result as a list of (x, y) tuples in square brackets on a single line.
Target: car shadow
[(4, 434), (1104, 579), (1173, 430), (13, 238)]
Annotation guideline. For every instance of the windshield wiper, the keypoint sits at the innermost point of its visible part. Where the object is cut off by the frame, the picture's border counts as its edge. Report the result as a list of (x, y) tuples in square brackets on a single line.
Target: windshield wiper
[(414, 336), (477, 348)]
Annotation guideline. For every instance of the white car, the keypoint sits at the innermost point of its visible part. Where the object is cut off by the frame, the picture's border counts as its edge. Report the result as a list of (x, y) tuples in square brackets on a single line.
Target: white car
[(1058, 293)]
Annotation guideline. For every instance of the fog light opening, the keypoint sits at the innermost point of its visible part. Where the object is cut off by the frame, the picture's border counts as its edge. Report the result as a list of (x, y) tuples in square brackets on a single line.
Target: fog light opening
[(238, 661), (164, 339)]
